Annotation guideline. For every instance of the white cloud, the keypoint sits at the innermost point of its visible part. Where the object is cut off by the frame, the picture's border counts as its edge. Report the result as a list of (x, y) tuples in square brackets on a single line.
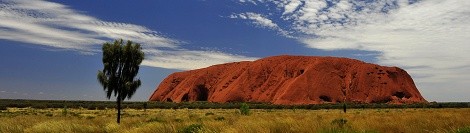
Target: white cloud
[(251, 1), (429, 38), (188, 59), (261, 21), (258, 19), (57, 26), (291, 6)]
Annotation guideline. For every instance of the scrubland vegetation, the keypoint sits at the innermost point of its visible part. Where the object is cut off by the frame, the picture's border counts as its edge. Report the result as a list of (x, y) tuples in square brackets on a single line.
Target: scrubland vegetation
[(91, 105), (407, 120)]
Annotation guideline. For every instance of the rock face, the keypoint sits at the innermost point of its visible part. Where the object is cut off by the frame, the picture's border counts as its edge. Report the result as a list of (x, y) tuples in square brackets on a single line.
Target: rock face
[(291, 80)]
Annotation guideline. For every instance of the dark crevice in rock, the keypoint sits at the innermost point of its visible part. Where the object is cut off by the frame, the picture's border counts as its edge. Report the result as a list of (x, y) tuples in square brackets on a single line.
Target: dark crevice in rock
[(401, 95), (169, 100), (185, 97), (325, 98), (202, 93), (383, 100)]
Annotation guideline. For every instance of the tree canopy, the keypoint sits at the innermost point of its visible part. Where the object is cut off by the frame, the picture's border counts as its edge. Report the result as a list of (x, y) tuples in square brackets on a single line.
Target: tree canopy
[(121, 65)]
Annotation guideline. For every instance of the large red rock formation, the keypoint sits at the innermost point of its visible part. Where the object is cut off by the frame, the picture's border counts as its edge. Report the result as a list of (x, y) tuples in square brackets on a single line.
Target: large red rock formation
[(291, 80)]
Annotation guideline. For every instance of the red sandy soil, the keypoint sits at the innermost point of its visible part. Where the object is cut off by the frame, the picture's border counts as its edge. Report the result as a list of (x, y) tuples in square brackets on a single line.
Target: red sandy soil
[(291, 80)]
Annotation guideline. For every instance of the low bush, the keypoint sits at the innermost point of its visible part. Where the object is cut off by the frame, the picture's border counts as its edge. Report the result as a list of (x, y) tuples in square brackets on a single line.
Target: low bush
[(156, 119), (193, 128), (42, 104), (2, 107), (64, 111), (219, 118), (463, 130), (145, 106), (178, 120), (39, 106), (101, 107), (209, 113), (49, 114), (340, 122), (245, 109)]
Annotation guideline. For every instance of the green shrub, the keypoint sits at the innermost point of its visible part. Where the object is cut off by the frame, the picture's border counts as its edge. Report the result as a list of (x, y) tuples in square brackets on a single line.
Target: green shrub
[(39, 106), (463, 130), (219, 118), (90, 117), (156, 119), (101, 107), (209, 113), (64, 111), (145, 106), (3, 107), (192, 116), (340, 122), (75, 114), (345, 130), (245, 109), (49, 114), (178, 120), (137, 107), (91, 107), (193, 128)]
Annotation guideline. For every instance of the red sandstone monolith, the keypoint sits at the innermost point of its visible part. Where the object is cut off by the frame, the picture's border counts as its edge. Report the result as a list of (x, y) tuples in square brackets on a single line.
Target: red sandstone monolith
[(291, 80)]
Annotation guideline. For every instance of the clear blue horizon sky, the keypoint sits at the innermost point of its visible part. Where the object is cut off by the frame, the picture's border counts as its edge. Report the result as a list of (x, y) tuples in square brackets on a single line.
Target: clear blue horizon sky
[(51, 49)]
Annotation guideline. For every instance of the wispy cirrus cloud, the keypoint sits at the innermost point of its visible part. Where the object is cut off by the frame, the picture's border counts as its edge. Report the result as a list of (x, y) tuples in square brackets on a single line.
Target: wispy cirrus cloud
[(258, 19), (429, 38), (251, 1), (185, 59), (57, 26), (261, 21)]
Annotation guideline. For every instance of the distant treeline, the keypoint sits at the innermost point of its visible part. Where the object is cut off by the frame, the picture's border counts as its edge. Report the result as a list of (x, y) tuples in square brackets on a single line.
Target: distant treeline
[(99, 105)]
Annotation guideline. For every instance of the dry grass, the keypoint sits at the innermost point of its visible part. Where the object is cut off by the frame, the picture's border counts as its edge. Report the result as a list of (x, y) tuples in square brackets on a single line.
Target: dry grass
[(17, 120)]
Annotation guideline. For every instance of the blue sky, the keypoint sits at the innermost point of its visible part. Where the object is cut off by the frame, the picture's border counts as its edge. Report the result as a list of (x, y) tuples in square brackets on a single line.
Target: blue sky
[(51, 49)]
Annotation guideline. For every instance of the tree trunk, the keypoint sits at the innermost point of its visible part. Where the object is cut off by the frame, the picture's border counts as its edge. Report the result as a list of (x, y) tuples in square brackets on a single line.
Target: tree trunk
[(119, 109)]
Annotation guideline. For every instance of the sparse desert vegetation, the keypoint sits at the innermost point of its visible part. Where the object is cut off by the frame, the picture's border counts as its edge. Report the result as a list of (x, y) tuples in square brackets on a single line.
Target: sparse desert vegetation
[(15, 120)]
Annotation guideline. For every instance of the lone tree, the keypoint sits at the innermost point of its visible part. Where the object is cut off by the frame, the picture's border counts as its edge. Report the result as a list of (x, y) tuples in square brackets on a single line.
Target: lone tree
[(121, 65)]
